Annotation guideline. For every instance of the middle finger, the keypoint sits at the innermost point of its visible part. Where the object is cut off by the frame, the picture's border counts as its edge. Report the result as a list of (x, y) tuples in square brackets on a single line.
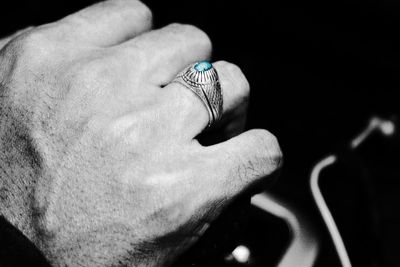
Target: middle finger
[(168, 50)]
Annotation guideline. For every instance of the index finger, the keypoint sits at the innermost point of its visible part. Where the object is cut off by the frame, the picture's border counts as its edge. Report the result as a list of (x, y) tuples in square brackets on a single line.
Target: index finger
[(244, 160)]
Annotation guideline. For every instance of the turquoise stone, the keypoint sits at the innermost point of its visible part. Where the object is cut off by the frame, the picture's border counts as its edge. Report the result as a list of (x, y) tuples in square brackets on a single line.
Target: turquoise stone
[(203, 66)]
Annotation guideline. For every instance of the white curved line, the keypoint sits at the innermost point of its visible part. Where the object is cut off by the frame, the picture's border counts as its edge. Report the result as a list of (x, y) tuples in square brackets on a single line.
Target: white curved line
[(324, 210)]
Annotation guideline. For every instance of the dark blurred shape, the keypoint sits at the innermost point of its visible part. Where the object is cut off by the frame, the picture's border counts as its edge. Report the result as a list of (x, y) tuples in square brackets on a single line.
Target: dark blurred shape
[(350, 184), (16, 250)]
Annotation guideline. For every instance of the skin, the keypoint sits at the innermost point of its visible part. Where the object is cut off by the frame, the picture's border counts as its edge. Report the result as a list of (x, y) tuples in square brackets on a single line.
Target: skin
[(99, 161)]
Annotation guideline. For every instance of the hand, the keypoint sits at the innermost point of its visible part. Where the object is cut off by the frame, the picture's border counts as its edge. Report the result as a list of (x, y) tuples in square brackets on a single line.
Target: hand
[(99, 164)]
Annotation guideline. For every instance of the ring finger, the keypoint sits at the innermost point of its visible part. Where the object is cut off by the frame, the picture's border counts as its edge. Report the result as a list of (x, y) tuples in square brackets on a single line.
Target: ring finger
[(191, 115)]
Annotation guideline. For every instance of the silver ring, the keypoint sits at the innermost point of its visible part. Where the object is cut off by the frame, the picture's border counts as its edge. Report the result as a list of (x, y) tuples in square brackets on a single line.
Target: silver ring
[(202, 79)]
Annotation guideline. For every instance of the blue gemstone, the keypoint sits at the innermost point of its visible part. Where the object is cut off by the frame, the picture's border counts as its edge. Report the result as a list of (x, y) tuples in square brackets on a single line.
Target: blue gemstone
[(203, 66)]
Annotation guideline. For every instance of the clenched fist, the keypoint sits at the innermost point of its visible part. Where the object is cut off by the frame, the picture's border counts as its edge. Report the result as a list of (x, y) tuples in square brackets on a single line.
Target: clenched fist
[(99, 162)]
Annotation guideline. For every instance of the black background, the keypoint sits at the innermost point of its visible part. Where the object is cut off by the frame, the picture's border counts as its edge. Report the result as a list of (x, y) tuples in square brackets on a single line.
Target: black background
[(318, 71)]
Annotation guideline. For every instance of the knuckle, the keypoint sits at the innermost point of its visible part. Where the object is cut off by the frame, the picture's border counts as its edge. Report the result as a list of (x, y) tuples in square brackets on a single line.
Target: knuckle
[(144, 12), (126, 9), (139, 10), (269, 148), (90, 75), (244, 168), (196, 35), (180, 27), (237, 76), (136, 54), (34, 46)]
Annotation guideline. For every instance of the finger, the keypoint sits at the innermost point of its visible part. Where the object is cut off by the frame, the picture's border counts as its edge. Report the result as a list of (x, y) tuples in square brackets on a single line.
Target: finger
[(169, 50), (4, 41), (108, 23), (244, 160), (235, 113), (233, 124), (191, 113)]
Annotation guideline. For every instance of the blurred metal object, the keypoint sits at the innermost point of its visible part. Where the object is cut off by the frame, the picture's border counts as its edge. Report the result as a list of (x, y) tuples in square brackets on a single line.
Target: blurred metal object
[(376, 124), (303, 248), (386, 127), (241, 255), (304, 245), (325, 212)]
